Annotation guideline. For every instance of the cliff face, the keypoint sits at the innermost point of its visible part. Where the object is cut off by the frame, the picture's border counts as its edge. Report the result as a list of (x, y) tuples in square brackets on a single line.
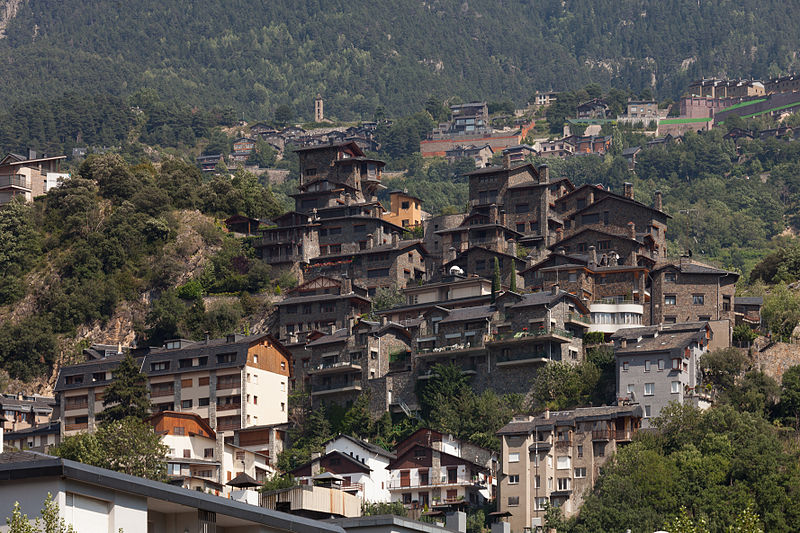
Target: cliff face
[(775, 359), (8, 10)]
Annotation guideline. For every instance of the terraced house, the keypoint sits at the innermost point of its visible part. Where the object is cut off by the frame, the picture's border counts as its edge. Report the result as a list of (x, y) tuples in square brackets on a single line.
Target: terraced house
[(231, 383)]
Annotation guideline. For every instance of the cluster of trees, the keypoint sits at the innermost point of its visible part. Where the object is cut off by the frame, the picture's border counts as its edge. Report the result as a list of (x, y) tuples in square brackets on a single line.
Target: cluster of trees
[(100, 237), (277, 57)]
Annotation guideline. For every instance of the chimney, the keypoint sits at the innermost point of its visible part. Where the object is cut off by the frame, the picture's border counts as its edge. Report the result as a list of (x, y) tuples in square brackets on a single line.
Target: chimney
[(347, 286), (547, 414), (544, 174), (350, 323), (332, 328), (512, 247), (559, 233), (207, 336), (370, 242), (395, 239), (506, 159), (347, 198), (592, 256), (293, 338), (623, 343), (627, 189), (119, 348), (315, 468), (659, 201), (384, 320), (555, 289), (632, 230), (502, 220), (493, 214), (451, 255), (31, 154)]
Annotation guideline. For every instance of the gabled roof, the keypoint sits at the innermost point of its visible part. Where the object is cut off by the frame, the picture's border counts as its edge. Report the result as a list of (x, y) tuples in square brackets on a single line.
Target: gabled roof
[(619, 198), (463, 314), (547, 298), (580, 414), (183, 414), (473, 249), (587, 229), (340, 335), (350, 144), (497, 170), (364, 444), (352, 461), (696, 268)]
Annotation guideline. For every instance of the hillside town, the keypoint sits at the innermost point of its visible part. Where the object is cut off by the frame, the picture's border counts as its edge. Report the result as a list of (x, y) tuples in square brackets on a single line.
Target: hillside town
[(536, 272)]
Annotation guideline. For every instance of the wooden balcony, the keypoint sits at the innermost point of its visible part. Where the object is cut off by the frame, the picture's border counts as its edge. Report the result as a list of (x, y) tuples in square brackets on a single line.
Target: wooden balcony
[(158, 393), (229, 406), (612, 434), (76, 427)]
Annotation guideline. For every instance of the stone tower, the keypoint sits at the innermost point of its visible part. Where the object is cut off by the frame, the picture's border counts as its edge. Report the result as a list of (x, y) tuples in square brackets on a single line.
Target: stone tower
[(319, 111)]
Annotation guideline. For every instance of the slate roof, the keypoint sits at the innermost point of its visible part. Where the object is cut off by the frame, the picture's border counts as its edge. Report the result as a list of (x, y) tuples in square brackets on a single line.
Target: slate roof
[(697, 268), (319, 298), (463, 314), (374, 448), (340, 335), (581, 414), (749, 300)]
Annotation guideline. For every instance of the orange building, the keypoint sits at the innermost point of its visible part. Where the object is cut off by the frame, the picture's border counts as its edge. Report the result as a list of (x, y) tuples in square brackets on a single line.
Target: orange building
[(405, 210)]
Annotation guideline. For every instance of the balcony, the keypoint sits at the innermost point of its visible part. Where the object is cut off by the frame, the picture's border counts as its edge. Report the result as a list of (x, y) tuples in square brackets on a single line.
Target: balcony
[(458, 347), (397, 484), (611, 434), (334, 388), (552, 334), (229, 384), (579, 319), (229, 406), (522, 359), (332, 368), (563, 445), (18, 182), (157, 393), (76, 427)]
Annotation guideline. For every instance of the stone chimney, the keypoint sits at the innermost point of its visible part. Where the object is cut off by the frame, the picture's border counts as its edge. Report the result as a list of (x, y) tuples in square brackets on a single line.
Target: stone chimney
[(559, 233), (613, 259), (493, 214), (348, 199), (332, 328), (370, 241), (506, 160), (450, 255), (632, 230), (395, 239), (350, 324), (544, 174), (659, 201), (547, 414), (512, 247), (627, 189), (384, 320), (315, 457), (554, 289), (592, 256), (347, 286)]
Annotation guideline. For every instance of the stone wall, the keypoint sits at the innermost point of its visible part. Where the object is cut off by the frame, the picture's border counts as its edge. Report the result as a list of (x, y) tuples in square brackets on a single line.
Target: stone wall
[(775, 359)]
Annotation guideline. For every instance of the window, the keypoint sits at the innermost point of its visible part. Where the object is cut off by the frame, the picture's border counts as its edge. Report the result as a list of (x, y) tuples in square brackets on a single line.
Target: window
[(698, 299), (187, 454), (592, 218), (631, 388), (572, 277), (676, 364), (406, 498), (647, 365), (661, 364), (580, 450), (625, 366), (580, 472), (670, 299), (670, 277), (675, 387), (599, 449), (74, 380), (186, 383), (513, 457), (513, 479), (202, 402), (647, 411), (208, 453), (226, 358), (564, 483), (186, 404), (520, 227), (480, 264), (540, 503), (513, 501), (99, 376), (670, 320), (649, 389), (255, 398), (202, 381), (404, 205), (180, 430), (563, 462)]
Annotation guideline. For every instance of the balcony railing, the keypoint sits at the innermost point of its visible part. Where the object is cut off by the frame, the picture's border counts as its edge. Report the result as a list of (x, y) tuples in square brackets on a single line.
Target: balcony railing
[(73, 427), (155, 393), (460, 481), (330, 387), (522, 358), (229, 406), (14, 181), (228, 384), (611, 434), (563, 444), (472, 345), (344, 365), (541, 332), (577, 317)]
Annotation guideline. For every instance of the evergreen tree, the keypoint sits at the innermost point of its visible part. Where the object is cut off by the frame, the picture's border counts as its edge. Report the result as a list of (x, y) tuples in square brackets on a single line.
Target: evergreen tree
[(495, 279), (513, 285), (127, 394)]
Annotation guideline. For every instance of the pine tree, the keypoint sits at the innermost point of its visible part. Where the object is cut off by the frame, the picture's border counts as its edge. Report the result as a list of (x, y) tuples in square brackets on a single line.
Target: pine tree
[(496, 279), (127, 395)]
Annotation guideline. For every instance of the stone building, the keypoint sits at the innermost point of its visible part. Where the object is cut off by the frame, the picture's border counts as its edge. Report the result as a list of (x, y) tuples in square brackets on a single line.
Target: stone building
[(319, 304), (657, 365), (291, 242), (555, 459), (688, 291), (392, 265), (341, 362)]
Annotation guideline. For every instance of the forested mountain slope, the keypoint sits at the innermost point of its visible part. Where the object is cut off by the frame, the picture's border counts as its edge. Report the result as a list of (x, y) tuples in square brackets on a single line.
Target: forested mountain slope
[(360, 54)]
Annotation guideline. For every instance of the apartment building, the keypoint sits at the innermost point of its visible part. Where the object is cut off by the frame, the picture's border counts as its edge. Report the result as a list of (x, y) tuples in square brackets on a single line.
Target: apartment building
[(22, 411), (233, 382), (555, 457), (37, 439), (405, 210), (199, 458), (437, 470), (657, 365)]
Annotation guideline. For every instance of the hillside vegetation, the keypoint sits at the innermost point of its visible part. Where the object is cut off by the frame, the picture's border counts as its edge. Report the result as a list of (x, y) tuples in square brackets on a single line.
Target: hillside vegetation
[(359, 55)]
